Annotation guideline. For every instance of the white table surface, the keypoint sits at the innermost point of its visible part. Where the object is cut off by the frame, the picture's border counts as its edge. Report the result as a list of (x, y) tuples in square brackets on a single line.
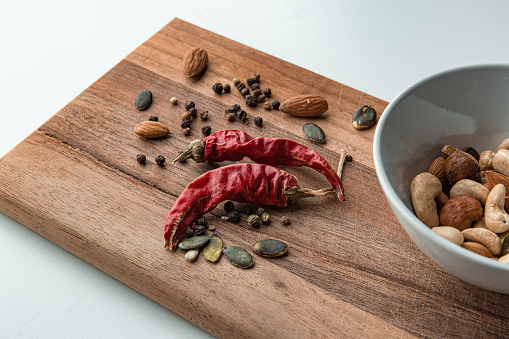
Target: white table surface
[(50, 51)]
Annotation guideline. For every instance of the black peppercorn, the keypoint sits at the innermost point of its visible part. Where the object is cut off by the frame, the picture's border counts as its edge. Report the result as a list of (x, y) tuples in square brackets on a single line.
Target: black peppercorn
[(245, 120), (260, 211), (257, 92), (233, 216), (206, 130), (200, 230), (226, 88), (202, 221), (260, 98), (189, 105), (230, 117), (250, 100), (241, 86), (349, 158), (244, 91), (235, 108), (258, 121), (267, 105), (285, 221), (153, 118), (267, 92), (218, 87), (250, 81), (248, 209), (255, 86), (141, 158), (256, 77), (189, 232), (185, 123), (241, 114), (229, 206), (275, 104), (160, 160), (193, 112), (186, 131)]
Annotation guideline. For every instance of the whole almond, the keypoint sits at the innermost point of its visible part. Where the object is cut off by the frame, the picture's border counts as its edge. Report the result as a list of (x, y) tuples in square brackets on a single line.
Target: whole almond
[(437, 169), (306, 105), (494, 178), (477, 248), (151, 129), (195, 61)]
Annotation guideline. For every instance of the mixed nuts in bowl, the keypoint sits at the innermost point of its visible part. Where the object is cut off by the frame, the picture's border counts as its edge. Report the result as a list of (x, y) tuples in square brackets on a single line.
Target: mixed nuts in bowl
[(418, 137)]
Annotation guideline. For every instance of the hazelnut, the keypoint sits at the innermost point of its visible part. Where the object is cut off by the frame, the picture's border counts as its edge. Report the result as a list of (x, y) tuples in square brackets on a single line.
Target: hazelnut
[(460, 212)]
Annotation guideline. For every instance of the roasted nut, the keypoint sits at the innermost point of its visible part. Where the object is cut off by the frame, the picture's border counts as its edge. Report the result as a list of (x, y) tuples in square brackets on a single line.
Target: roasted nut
[(504, 144), (501, 161), (440, 200), (504, 259), (425, 187), (477, 248), (485, 237), (495, 216), (486, 160), (473, 188), (437, 169), (479, 223), (460, 212), (459, 165), (450, 233), (495, 178)]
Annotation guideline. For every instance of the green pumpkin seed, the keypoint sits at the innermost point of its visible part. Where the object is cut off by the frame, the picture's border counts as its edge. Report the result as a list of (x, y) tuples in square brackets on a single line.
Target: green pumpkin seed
[(214, 249), (364, 117), (270, 248), (143, 100), (313, 132), (194, 242), (238, 256)]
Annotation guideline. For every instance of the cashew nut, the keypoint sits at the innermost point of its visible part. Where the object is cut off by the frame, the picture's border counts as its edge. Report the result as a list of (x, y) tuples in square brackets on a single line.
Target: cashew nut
[(501, 161), (495, 216), (485, 237), (479, 223), (424, 188), (504, 259), (473, 188), (486, 160), (504, 144), (452, 234)]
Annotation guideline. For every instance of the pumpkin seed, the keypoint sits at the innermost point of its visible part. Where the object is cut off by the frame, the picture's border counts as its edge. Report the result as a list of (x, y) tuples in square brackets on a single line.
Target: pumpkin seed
[(313, 132), (214, 248), (191, 255), (270, 248), (238, 256), (194, 242), (364, 117), (143, 100)]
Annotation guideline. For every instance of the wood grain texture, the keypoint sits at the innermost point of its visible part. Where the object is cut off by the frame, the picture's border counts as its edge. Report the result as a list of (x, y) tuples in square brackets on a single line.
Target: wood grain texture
[(351, 270)]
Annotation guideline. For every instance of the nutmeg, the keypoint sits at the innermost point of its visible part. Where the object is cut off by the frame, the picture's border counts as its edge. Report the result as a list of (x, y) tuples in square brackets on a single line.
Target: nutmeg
[(460, 212)]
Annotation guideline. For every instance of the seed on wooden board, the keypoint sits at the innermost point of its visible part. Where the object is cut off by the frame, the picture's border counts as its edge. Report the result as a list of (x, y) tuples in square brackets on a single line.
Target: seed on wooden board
[(194, 242), (191, 255), (212, 252), (270, 248), (364, 117), (238, 256), (313, 132), (143, 100)]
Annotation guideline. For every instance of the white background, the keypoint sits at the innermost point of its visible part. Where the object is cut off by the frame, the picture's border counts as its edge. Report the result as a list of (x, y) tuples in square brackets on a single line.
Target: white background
[(50, 51)]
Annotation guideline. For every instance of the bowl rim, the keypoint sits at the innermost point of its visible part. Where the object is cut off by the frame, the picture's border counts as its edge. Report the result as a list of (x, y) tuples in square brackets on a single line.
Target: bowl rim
[(391, 194)]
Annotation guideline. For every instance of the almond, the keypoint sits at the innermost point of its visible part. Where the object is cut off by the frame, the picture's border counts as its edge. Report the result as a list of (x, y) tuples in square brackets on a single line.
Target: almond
[(437, 169), (494, 178), (307, 105), (195, 61), (477, 248), (151, 129)]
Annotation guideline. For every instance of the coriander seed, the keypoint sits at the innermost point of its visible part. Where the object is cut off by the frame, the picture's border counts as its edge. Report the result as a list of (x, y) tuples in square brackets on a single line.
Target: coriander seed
[(265, 218), (174, 101), (141, 158), (236, 81)]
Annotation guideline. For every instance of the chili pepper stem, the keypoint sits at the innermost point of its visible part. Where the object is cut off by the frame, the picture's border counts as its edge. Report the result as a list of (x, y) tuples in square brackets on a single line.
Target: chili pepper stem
[(341, 162), (195, 151), (295, 193)]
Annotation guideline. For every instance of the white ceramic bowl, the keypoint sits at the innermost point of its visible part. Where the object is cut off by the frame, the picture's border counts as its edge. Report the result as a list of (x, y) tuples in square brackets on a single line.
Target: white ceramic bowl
[(462, 107)]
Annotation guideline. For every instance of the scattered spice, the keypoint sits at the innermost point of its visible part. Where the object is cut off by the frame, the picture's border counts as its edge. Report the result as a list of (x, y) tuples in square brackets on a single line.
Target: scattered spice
[(256, 77), (230, 117), (174, 101), (244, 91), (204, 115), (189, 105), (258, 121), (241, 114), (160, 160), (285, 221), (257, 93), (248, 209), (202, 221), (143, 100), (276, 104), (250, 100), (153, 118), (236, 81), (234, 145), (206, 130), (241, 86), (233, 216), (186, 116), (267, 92), (267, 105), (200, 230), (349, 158), (189, 232), (212, 228), (218, 88), (193, 111), (245, 120), (186, 131), (265, 218), (141, 158), (251, 81), (229, 206), (253, 220), (255, 86), (185, 123), (226, 88), (236, 182), (260, 211), (260, 98), (235, 108)]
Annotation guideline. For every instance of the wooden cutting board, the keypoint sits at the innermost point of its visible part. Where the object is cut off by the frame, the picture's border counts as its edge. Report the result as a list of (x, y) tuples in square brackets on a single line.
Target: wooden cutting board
[(351, 270)]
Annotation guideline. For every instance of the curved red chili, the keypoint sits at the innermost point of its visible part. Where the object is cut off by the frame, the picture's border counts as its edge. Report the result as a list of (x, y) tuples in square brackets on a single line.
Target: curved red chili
[(246, 183), (234, 145)]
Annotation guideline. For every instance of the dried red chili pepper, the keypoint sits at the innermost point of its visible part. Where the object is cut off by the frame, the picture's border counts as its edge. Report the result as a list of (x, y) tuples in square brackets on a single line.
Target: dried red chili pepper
[(234, 145), (245, 183)]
